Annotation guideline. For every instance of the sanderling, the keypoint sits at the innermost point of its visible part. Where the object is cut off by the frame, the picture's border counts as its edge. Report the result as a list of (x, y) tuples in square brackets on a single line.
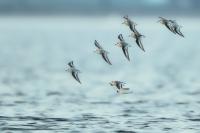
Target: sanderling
[(119, 85), (167, 24), (124, 46), (129, 23), (176, 27), (102, 52), (74, 72), (137, 36)]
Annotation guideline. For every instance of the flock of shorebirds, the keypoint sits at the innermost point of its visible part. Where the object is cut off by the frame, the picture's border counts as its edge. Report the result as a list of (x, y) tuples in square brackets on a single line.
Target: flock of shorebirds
[(169, 24)]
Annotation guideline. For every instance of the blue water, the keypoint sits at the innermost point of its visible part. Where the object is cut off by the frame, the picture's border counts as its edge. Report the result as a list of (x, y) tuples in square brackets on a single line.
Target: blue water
[(38, 96)]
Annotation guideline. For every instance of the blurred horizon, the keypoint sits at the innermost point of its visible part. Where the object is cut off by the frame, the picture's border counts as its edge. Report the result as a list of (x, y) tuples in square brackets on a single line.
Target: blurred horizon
[(99, 7)]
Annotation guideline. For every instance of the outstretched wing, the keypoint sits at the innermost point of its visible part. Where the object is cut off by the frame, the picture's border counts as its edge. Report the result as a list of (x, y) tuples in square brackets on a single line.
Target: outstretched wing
[(177, 30), (173, 21), (139, 43), (71, 64), (168, 24), (120, 37), (125, 51), (132, 28), (161, 18), (119, 85), (75, 75), (105, 57), (97, 44)]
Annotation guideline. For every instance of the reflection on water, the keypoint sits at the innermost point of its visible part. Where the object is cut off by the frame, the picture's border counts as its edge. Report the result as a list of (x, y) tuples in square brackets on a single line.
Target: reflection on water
[(37, 95)]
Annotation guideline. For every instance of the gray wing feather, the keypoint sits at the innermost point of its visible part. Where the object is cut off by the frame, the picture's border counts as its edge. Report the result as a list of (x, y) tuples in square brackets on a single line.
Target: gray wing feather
[(71, 64), (177, 30), (119, 85), (97, 44), (169, 27), (125, 51), (105, 57), (139, 43), (120, 37), (75, 75)]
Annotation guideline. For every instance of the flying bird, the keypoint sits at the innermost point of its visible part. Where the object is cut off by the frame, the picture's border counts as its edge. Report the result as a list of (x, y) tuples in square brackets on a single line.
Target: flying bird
[(137, 36), (138, 39), (119, 85), (102, 52), (129, 22), (123, 45), (167, 23), (171, 25), (176, 28), (74, 72)]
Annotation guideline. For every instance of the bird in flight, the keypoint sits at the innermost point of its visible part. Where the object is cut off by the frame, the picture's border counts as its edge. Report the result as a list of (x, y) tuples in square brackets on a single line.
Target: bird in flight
[(176, 27), (171, 25), (119, 85), (102, 52), (167, 24), (124, 46), (74, 72), (138, 38), (129, 22)]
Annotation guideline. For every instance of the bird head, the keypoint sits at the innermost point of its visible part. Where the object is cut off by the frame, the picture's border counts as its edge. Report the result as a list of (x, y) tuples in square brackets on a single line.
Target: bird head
[(125, 22), (112, 83), (97, 51), (162, 20), (118, 44), (125, 17), (67, 70), (159, 21)]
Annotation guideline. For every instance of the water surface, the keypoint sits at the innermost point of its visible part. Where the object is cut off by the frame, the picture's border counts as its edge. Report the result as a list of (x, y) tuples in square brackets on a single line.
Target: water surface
[(38, 96)]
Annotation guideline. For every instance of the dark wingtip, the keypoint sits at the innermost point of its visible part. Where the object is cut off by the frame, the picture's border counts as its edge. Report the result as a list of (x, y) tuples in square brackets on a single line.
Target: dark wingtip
[(109, 62), (128, 58), (71, 62), (120, 37), (182, 35)]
